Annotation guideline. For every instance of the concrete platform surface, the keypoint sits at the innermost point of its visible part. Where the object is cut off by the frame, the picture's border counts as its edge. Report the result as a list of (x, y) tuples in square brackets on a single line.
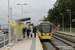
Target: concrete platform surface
[(27, 44)]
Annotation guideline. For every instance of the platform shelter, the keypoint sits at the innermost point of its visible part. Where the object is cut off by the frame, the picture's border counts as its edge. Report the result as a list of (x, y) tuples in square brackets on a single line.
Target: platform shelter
[(19, 26)]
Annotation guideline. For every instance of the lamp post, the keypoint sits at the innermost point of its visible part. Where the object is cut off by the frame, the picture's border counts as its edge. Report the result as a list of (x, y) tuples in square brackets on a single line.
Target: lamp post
[(22, 7), (26, 13), (70, 18), (9, 25), (0, 26), (11, 13), (62, 21), (57, 19), (54, 24), (54, 21)]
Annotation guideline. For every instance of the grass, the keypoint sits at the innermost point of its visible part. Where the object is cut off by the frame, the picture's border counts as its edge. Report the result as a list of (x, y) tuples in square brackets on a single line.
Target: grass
[(68, 29)]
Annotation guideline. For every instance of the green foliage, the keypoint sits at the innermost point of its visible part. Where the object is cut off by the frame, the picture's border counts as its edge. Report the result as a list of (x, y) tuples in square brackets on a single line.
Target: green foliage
[(62, 8), (67, 29)]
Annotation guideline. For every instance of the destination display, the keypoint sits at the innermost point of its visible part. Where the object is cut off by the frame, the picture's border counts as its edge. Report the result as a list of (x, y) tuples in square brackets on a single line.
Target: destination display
[(45, 24)]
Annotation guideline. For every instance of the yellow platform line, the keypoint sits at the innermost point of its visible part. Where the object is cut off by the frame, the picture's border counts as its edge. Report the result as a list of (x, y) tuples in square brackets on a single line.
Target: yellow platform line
[(40, 44)]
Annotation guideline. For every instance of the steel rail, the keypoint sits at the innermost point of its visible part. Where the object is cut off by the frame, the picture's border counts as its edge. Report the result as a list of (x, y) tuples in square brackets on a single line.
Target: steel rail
[(44, 45), (66, 38), (64, 42), (54, 45)]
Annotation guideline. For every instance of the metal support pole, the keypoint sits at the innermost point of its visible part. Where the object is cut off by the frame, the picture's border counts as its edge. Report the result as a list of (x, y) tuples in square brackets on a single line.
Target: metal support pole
[(9, 25), (57, 20), (62, 19), (8, 11), (11, 14), (57, 23), (54, 23), (22, 10), (16, 32), (70, 20), (63, 22), (26, 14)]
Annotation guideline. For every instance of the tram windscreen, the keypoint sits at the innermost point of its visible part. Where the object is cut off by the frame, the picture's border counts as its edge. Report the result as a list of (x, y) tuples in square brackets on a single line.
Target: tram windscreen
[(45, 28)]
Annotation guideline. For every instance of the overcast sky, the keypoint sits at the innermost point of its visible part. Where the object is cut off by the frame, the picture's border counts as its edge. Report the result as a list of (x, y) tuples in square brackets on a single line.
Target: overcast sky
[(37, 8)]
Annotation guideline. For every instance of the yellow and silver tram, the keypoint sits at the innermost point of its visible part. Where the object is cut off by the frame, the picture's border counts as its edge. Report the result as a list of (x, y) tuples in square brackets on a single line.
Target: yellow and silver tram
[(45, 30)]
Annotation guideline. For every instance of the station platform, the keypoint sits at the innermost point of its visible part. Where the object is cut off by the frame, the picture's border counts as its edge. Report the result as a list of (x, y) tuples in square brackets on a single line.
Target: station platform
[(27, 44), (67, 33)]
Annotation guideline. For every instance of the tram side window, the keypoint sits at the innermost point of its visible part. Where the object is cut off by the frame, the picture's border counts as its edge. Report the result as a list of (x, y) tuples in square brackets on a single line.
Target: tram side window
[(50, 28), (39, 28)]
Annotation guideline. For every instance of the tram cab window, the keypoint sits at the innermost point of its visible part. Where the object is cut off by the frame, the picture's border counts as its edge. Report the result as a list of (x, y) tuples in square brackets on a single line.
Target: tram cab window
[(45, 28)]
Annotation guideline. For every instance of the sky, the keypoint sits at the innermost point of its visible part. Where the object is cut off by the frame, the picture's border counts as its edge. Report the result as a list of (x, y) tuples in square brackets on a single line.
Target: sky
[(37, 10)]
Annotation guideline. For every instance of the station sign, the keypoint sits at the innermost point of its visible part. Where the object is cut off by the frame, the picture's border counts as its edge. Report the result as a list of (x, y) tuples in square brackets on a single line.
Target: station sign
[(28, 22), (13, 24)]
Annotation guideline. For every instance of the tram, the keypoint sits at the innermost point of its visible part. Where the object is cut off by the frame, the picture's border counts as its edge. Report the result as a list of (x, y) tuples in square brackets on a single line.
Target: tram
[(45, 30)]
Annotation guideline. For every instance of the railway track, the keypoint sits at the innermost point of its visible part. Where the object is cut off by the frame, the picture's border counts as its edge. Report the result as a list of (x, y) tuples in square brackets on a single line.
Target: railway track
[(69, 44), (44, 46), (59, 42), (49, 45), (65, 40), (67, 37)]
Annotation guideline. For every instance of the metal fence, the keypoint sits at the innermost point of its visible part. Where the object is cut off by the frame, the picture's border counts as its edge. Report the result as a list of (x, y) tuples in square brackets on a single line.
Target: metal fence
[(4, 38), (67, 29)]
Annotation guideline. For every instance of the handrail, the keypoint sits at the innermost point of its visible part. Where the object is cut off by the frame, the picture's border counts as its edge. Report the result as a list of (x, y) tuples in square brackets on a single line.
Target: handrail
[(4, 39), (2, 34)]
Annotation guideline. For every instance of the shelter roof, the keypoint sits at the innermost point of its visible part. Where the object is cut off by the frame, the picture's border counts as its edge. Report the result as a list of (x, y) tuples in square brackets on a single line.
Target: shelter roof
[(23, 19)]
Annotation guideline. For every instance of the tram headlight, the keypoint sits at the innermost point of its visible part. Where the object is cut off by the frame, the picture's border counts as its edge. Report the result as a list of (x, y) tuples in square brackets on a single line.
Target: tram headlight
[(41, 34), (49, 34)]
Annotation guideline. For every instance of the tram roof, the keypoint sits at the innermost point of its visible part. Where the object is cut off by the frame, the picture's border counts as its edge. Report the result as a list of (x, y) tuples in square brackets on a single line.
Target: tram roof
[(23, 19), (44, 22)]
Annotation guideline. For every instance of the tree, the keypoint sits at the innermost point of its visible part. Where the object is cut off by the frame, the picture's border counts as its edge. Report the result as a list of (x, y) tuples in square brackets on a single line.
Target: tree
[(63, 5)]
